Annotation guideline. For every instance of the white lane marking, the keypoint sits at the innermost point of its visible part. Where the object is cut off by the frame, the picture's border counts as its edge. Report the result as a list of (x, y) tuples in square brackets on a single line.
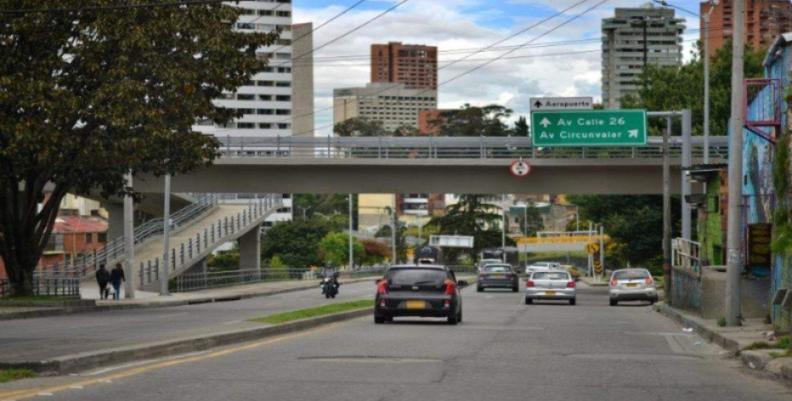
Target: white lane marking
[(44, 394), (76, 387)]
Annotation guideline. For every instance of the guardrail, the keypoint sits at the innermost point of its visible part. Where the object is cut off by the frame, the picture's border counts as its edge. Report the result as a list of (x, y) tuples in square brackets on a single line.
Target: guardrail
[(46, 283), (115, 250), (686, 255), (202, 281), (450, 148), (185, 254)]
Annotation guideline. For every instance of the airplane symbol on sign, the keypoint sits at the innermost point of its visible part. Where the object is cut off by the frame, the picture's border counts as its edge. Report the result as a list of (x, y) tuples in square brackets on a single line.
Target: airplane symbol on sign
[(545, 122)]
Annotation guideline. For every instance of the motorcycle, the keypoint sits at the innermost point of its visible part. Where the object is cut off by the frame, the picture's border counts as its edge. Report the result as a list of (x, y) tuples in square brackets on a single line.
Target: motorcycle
[(329, 287)]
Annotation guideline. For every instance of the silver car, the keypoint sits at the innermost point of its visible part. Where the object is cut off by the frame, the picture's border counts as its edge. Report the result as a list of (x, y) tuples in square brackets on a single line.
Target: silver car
[(632, 285), (550, 285)]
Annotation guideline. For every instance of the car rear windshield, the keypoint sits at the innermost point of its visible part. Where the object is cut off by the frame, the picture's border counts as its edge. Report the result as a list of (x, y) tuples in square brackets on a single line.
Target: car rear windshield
[(497, 269), (631, 275), (550, 276), (401, 277)]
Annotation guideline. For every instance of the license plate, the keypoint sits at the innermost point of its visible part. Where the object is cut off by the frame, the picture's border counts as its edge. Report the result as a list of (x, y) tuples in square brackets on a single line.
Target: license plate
[(497, 276), (631, 285), (550, 293), (415, 305)]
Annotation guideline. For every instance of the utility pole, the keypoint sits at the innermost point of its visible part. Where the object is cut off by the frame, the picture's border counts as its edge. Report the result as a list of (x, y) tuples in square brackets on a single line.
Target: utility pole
[(706, 18), (351, 249), (129, 241), (667, 211), (503, 228), (165, 237), (394, 228), (734, 237)]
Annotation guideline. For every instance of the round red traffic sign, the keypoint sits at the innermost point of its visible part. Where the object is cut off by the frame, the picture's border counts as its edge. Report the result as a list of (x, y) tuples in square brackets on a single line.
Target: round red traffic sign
[(520, 168)]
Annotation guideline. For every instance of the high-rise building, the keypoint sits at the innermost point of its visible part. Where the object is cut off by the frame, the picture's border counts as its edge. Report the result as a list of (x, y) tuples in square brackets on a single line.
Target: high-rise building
[(279, 100), (413, 65), (764, 21), (394, 105), (633, 38)]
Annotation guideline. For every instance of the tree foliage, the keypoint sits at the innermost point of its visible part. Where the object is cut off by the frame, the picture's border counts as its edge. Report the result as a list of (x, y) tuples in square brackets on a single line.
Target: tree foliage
[(359, 126), (682, 87), (297, 241), (334, 249), (473, 215), (374, 252), (86, 96), (311, 205), (521, 127), (470, 120), (634, 223)]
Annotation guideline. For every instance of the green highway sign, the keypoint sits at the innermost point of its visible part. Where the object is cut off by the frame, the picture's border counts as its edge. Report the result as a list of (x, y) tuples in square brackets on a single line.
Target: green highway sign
[(589, 128)]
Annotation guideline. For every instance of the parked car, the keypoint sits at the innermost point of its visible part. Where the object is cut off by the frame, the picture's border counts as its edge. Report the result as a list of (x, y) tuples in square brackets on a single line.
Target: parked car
[(550, 285), (632, 285), (497, 276), (418, 290), (540, 266)]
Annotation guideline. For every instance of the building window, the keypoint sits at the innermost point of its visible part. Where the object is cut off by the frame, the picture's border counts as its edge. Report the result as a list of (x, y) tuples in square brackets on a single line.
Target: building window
[(265, 125), (284, 125), (283, 98), (283, 112), (264, 112), (102, 238), (243, 96), (246, 125), (283, 84), (88, 238), (265, 97)]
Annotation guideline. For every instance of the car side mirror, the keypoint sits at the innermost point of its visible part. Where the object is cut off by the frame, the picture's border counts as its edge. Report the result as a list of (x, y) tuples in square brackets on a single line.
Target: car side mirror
[(462, 283)]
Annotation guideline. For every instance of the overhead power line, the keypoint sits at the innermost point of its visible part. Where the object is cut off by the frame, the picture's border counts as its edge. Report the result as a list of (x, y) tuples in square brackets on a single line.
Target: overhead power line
[(331, 19)]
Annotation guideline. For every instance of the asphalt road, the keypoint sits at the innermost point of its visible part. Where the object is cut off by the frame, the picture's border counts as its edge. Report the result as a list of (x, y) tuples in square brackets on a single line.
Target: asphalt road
[(47, 337), (504, 350)]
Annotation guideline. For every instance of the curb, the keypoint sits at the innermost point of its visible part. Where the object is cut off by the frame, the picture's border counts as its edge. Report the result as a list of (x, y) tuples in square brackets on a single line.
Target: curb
[(114, 356), (730, 345), (181, 302)]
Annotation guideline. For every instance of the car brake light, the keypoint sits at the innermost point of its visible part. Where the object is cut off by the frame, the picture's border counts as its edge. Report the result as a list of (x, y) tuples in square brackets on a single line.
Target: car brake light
[(450, 287), (570, 284), (382, 287), (649, 280), (529, 283)]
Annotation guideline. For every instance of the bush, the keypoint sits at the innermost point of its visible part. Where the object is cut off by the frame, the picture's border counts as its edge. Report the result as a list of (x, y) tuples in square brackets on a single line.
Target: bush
[(276, 269)]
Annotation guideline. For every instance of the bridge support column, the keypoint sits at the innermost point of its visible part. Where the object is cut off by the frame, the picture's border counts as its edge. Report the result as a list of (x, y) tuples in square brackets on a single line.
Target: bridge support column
[(687, 160), (250, 250), (115, 221)]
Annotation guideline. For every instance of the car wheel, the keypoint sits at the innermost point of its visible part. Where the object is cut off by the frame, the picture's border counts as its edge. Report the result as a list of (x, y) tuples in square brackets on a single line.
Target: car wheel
[(479, 288), (652, 301), (515, 289), (572, 301), (379, 319), (389, 319), (459, 316), (613, 302), (528, 301), (453, 319)]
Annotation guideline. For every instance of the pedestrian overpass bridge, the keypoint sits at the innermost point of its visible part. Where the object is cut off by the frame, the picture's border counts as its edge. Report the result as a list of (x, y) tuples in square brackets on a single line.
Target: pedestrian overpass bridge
[(436, 164)]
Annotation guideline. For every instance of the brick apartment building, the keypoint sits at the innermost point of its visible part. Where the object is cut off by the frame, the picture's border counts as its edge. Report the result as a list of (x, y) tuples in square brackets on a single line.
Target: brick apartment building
[(413, 65), (764, 21)]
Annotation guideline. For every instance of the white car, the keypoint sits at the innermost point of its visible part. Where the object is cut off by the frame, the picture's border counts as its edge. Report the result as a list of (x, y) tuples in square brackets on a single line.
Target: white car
[(539, 266), (632, 285), (484, 262), (550, 285)]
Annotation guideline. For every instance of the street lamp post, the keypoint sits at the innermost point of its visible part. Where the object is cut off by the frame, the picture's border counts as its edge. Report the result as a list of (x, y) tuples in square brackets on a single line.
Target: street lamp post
[(351, 249)]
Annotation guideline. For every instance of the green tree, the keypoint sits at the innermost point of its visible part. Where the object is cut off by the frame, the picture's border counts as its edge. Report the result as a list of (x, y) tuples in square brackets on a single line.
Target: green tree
[(297, 241), (401, 245), (310, 205), (334, 249), (682, 87), (88, 95), (531, 222), (359, 126), (521, 127), (276, 269), (634, 223), (470, 120), (472, 215)]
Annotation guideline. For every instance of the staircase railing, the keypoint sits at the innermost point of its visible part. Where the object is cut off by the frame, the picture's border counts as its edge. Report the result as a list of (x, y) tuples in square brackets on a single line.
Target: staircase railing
[(115, 250), (185, 254)]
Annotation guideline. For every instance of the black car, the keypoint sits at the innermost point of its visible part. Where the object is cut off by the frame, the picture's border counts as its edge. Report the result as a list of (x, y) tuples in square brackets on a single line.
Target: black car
[(498, 276), (418, 290)]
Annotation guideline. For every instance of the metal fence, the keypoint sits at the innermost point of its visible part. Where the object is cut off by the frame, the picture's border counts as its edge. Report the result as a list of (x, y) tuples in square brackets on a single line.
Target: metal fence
[(686, 255), (46, 283), (451, 148), (114, 250), (200, 281)]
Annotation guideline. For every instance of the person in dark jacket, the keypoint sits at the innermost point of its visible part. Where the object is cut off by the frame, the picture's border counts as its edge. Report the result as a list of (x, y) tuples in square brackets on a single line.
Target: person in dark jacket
[(102, 278), (116, 278)]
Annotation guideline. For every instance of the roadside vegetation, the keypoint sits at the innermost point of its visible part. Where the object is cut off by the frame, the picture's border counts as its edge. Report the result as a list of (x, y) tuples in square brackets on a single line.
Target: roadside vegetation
[(7, 375), (284, 317)]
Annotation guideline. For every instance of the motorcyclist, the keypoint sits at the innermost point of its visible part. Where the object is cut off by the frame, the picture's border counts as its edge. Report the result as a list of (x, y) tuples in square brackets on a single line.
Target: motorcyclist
[(331, 274)]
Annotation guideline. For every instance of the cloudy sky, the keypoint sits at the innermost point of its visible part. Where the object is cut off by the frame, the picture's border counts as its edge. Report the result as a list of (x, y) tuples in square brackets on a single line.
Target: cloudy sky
[(554, 58)]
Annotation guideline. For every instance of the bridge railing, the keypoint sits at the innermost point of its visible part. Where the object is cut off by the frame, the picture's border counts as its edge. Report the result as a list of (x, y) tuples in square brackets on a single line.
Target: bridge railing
[(450, 148)]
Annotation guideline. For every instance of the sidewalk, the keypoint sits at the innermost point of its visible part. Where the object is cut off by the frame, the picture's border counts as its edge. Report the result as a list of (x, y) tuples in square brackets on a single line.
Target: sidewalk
[(144, 299), (751, 342)]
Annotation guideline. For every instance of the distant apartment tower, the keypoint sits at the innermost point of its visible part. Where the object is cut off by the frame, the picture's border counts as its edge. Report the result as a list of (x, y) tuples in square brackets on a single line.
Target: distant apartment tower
[(764, 21), (632, 38), (277, 101), (394, 105), (413, 65)]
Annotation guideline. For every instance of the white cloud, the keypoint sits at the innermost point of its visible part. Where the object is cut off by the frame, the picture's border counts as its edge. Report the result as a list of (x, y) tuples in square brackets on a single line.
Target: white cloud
[(452, 24)]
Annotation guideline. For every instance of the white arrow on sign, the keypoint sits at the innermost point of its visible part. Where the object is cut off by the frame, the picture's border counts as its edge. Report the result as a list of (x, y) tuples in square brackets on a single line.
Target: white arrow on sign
[(545, 122), (633, 133)]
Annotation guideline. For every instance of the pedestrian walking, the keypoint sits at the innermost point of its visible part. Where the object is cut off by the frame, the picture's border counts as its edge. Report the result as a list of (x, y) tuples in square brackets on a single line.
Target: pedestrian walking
[(116, 278), (103, 278)]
